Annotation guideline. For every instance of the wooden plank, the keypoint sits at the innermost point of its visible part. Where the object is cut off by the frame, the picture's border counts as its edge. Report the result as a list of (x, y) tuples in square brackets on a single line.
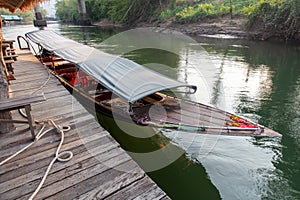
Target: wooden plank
[(165, 198), (72, 185), (41, 155), (20, 101), (25, 169), (31, 85), (59, 93), (46, 89), (28, 72), (114, 185), (50, 139), (9, 61), (135, 189), (38, 77), (153, 193), (19, 135), (94, 181), (79, 162), (59, 114)]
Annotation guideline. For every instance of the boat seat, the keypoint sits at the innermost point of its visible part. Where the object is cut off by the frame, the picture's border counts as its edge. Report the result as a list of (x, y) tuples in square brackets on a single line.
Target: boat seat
[(118, 102), (18, 102), (152, 100), (102, 96), (97, 92)]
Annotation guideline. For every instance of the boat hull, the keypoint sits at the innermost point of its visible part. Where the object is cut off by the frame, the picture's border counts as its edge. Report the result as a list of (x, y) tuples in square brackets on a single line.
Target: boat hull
[(156, 110)]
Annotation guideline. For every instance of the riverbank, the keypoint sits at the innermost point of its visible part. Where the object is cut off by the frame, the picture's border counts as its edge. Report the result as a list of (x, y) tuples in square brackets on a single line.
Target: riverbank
[(231, 27), (222, 27), (226, 26)]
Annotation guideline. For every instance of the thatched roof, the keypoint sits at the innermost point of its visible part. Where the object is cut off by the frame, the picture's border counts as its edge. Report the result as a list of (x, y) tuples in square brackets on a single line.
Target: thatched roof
[(12, 5)]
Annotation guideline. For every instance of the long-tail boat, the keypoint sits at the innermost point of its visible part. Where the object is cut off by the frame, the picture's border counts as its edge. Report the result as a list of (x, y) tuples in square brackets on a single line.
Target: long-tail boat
[(123, 89)]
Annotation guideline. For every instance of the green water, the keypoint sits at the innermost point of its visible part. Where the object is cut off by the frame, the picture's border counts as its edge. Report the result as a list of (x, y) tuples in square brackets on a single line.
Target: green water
[(260, 80)]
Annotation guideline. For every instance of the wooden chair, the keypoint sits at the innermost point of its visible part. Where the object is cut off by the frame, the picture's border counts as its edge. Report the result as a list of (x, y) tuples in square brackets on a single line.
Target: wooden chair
[(7, 62), (18, 102), (10, 51)]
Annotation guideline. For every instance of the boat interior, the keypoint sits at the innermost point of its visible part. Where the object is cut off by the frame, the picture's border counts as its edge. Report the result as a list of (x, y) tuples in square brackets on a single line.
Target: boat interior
[(178, 112)]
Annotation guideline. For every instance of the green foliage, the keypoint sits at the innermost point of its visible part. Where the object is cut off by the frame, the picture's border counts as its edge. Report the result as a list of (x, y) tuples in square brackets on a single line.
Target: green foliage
[(27, 16), (125, 11), (273, 15), (195, 13), (67, 10), (98, 9), (280, 17), (169, 12), (202, 9), (119, 10)]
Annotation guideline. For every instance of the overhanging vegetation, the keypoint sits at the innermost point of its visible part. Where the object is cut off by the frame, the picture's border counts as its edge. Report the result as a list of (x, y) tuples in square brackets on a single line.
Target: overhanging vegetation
[(275, 16)]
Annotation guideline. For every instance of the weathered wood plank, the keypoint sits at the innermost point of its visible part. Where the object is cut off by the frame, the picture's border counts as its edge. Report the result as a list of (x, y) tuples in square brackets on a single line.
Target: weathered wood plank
[(46, 89), (31, 85), (79, 150), (82, 182), (36, 77), (80, 162), (20, 101), (154, 193), (49, 141), (20, 136), (135, 189), (41, 155), (114, 185), (165, 198)]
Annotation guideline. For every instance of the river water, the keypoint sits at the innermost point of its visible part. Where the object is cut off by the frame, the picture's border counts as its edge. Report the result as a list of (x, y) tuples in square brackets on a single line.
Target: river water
[(260, 80)]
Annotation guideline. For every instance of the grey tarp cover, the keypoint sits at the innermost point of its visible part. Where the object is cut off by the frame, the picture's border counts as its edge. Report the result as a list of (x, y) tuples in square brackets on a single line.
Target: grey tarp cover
[(123, 77)]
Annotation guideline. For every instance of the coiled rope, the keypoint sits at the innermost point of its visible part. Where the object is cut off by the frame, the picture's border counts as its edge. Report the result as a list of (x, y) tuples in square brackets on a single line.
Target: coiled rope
[(60, 156)]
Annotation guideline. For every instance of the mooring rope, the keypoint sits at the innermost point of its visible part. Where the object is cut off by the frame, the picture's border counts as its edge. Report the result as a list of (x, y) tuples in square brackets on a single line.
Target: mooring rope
[(63, 156), (38, 89), (60, 156)]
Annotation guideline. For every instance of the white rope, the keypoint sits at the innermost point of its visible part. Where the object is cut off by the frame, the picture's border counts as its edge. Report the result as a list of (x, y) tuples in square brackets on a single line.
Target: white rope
[(60, 156), (26, 147)]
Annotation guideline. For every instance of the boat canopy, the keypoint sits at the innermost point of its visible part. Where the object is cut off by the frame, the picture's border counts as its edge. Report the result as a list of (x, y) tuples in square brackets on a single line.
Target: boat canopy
[(125, 78)]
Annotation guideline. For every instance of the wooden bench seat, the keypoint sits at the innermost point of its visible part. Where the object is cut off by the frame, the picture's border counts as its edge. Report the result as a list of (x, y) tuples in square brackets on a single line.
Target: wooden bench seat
[(10, 57), (18, 102), (8, 49), (9, 61), (9, 66)]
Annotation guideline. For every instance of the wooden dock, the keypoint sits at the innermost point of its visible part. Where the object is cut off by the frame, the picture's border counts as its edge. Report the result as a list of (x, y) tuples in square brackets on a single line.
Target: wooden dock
[(103, 171)]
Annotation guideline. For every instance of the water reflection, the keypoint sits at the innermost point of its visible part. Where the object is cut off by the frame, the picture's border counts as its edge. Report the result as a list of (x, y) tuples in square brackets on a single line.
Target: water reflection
[(273, 97), (243, 87), (239, 169)]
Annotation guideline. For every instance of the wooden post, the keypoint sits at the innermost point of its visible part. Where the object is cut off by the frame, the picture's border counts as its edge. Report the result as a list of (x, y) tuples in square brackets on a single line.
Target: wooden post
[(82, 13), (82, 9), (39, 21), (4, 127), (30, 120), (230, 2)]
